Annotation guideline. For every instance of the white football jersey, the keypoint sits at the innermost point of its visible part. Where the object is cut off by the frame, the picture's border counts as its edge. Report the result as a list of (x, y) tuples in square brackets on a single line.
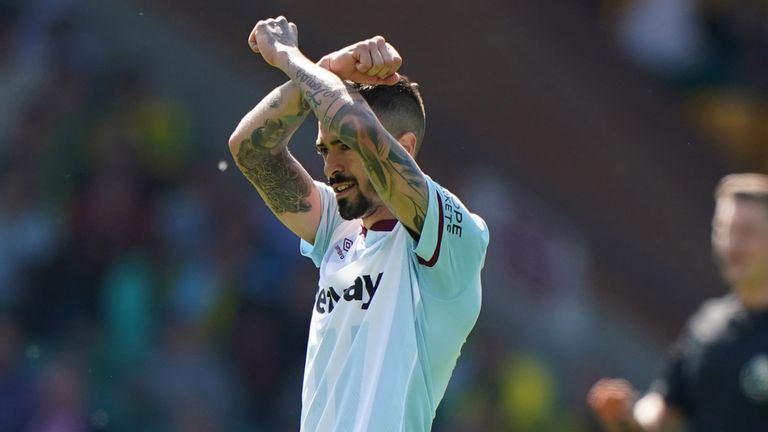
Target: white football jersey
[(390, 316)]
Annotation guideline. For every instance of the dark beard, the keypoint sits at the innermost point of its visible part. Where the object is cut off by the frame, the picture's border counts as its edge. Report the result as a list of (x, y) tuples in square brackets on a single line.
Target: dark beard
[(354, 210), (349, 209)]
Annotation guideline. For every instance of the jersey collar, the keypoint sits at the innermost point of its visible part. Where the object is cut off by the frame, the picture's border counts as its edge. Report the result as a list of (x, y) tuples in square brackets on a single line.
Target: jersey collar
[(382, 225)]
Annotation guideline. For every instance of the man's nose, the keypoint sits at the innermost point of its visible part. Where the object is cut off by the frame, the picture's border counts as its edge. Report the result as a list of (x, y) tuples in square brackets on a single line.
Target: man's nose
[(333, 165)]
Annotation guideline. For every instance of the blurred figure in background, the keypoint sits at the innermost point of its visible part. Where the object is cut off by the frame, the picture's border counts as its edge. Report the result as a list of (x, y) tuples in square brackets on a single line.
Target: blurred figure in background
[(18, 395), (716, 378)]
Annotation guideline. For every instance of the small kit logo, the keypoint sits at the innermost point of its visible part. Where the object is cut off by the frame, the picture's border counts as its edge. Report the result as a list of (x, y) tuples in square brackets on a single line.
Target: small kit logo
[(342, 249), (754, 379)]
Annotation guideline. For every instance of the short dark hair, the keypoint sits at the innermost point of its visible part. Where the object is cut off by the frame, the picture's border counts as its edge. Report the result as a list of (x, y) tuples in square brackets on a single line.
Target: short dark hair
[(399, 107), (748, 186)]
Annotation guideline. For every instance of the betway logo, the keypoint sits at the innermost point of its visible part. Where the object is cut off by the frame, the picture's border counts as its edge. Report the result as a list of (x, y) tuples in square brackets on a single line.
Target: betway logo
[(363, 288)]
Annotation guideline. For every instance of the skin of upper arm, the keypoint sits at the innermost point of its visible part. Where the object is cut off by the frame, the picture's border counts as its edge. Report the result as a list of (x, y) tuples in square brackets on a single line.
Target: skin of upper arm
[(285, 186), (305, 225)]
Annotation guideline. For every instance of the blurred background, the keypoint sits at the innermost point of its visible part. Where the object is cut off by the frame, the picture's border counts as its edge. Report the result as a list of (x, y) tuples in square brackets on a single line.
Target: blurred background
[(144, 286)]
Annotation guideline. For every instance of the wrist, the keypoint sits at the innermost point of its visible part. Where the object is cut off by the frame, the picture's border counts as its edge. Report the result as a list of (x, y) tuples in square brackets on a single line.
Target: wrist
[(325, 62), (286, 55)]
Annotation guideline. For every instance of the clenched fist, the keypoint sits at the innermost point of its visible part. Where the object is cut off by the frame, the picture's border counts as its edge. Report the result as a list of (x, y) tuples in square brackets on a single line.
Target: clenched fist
[(612, 400), (272, 37), (372, 61)]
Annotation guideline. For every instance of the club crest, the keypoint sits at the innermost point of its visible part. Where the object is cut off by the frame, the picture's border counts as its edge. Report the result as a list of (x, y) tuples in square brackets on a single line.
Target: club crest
[(754, 379)]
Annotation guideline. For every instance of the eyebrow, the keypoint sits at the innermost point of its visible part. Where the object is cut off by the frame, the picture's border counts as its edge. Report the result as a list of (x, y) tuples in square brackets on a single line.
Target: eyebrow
[(322, 144)]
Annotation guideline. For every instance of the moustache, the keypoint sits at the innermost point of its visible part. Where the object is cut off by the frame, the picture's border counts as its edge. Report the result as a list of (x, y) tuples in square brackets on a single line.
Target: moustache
[(340, 179)]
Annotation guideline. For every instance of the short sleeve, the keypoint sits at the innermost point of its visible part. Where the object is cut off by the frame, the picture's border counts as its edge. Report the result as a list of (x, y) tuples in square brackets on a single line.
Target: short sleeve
[(452, 245), (672, 384), (329, 221)]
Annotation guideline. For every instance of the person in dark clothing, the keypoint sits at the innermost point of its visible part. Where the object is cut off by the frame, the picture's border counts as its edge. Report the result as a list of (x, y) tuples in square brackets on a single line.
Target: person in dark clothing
[(716, 377)]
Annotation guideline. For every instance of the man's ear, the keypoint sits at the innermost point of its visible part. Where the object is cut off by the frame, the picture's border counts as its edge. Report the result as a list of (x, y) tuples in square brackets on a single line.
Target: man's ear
[(408, 141)]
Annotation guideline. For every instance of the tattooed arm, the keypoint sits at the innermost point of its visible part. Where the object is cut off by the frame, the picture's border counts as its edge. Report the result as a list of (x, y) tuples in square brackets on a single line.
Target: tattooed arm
[(259, 145), (392, 170)]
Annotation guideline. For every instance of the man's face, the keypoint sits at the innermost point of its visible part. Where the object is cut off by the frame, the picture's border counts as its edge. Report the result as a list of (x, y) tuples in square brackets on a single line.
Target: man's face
[(740, 241), (347, 176)]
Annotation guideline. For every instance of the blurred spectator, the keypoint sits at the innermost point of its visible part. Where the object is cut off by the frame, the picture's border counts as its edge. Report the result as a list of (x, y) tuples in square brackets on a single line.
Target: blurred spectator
[(20, 68), (717, 53), (663, 35), (29, 234), (18, 395), (63, 401), (189, 383)]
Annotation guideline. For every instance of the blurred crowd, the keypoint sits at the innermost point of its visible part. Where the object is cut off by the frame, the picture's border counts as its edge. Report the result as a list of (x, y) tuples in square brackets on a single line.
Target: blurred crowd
[(141, 289), (138, 291), (715, 54)]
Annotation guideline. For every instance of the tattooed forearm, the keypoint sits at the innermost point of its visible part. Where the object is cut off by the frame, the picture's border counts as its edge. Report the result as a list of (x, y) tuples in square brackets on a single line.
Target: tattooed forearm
[(353, 129), (322, 90), (279, 177), (393, 173), (315, 90)]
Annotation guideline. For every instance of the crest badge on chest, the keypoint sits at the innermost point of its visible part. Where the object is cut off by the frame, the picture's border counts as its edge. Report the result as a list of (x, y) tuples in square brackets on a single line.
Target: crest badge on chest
[(754, 379)]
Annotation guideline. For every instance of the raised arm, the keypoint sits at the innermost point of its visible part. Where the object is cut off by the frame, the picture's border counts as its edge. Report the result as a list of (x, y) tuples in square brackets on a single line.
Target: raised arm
[(259, 144), (391, 169)]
